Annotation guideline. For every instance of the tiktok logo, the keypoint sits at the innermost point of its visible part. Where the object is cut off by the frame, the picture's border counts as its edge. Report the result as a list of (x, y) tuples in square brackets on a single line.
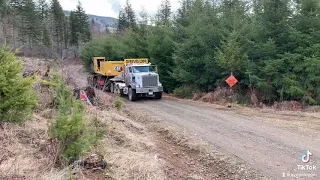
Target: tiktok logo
[(306, 157)]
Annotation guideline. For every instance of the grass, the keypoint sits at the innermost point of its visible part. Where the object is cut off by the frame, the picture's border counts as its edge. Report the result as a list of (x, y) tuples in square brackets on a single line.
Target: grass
[(130, 148), (25, 150)]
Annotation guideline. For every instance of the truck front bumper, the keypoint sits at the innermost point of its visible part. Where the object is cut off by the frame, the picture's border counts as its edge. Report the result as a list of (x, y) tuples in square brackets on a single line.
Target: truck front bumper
[(149, 91)]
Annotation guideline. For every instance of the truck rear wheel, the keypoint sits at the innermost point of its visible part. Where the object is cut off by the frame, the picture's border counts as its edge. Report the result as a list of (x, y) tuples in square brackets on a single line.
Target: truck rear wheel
[(158, 95), (132, 94)]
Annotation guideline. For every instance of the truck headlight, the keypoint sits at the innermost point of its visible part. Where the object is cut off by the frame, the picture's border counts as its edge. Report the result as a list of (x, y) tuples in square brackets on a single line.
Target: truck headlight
[(138, 85), (160, 84)]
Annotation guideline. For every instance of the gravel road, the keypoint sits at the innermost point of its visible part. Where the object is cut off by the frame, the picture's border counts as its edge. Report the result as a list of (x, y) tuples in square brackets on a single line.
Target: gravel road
[(270, 149)]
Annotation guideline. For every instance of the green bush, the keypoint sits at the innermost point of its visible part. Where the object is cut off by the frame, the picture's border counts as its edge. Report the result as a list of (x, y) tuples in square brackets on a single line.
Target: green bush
[(69, 128), (102, 47), (17, 99), (118, 103), (186, 91)]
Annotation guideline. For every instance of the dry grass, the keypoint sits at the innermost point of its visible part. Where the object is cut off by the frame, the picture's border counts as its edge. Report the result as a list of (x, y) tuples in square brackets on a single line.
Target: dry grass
[(129, 148), (221, 95), (26, 152)]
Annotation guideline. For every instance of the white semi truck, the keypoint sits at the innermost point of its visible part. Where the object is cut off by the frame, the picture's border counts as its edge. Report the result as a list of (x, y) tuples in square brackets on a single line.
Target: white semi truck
[(132, 77)]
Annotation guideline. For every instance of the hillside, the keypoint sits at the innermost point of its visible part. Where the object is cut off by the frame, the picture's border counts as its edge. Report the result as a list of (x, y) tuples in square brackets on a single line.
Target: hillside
[(101, 21)]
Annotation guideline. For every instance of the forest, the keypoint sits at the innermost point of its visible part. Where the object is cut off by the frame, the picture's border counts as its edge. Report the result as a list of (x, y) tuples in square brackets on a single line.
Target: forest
[(41, 29), (271, 46)]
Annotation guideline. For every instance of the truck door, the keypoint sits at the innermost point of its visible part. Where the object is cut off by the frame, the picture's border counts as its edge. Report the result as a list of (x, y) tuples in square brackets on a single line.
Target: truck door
[(127, 78)]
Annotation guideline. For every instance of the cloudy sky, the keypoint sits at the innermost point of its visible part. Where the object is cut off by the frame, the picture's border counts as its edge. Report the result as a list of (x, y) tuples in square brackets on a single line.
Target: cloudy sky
[(111, 7)]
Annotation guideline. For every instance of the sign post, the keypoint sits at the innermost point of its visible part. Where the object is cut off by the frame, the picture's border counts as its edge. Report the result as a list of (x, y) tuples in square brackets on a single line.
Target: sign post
[(231, 81)]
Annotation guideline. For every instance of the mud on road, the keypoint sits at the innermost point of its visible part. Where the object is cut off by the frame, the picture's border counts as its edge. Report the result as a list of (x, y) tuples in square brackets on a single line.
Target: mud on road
[(270, 142)]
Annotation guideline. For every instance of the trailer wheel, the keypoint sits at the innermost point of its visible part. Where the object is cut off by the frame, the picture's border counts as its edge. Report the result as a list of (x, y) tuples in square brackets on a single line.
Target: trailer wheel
[(158, 95), (132, 94)]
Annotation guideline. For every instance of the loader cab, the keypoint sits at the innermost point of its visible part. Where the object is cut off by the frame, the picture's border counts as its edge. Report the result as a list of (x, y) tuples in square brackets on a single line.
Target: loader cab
[(97, 63)]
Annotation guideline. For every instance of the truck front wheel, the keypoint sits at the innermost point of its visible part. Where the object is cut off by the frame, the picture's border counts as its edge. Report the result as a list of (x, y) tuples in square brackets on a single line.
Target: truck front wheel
[(158, 95), (132, 94), (112, 87)]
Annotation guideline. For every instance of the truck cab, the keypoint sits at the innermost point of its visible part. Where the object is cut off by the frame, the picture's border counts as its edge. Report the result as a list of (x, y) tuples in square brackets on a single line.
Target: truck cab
[(141, 80)]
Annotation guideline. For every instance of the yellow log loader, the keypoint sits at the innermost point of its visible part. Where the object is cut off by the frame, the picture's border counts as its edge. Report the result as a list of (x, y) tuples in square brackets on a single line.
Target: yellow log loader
[(132, 77)]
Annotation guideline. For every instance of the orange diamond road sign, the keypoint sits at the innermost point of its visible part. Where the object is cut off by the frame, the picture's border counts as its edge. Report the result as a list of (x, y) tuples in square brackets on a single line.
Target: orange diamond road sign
[(231, 81)]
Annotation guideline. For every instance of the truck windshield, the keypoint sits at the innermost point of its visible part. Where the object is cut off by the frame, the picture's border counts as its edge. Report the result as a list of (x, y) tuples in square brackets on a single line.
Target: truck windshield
[(138, 69)]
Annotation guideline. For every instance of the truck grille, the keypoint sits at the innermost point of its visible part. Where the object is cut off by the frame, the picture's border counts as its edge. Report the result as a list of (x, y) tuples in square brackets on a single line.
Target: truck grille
[(150, 80)]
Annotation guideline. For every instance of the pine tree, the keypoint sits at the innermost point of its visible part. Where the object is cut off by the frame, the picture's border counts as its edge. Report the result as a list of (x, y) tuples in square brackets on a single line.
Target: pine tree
[(30, 24), (122, 21), (66, 32), (144, 19), (74, 37), (230, 56), (79, 26), (127, 18), (17, 100), (130, 15), (57, 25), (161, 47), (5, 19), (164, 14), (43, 9)]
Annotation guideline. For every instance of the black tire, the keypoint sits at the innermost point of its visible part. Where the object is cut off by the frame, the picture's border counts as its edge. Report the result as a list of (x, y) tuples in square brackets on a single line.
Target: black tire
[(158, 95), (112, 87), (132, 94)]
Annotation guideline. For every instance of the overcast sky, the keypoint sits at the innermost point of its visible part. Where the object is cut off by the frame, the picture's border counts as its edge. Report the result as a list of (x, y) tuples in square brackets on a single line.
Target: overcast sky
[(110, 8)]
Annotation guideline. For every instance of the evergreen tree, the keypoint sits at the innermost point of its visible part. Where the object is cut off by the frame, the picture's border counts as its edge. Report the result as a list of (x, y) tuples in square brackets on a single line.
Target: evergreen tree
[(127, 18), (122, 21), (164, 14), (79, 26), (197, 39), (57, 25), (130, 15), (5, 19), (17, 100), (30, 24), (66, 32), (161, 48), (43, 9), (74, 37)]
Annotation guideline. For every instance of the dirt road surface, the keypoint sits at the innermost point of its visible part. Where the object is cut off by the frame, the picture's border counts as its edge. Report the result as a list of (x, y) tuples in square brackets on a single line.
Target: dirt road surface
[(272, 145), (271, 149)]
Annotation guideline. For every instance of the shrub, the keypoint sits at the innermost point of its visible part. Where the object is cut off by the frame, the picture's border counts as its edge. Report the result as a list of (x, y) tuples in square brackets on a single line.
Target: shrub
[(186, 91), (69, 128), (17, 99), (118, 103), (102, 47)]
